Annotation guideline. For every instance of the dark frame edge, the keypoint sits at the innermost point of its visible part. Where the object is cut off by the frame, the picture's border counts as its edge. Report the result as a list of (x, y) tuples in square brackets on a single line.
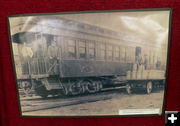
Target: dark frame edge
[(13, 62), (91, 11), (167, 61)]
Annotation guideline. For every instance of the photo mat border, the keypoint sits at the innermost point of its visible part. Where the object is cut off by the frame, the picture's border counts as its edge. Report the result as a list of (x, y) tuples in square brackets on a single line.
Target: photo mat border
[(95, 11)]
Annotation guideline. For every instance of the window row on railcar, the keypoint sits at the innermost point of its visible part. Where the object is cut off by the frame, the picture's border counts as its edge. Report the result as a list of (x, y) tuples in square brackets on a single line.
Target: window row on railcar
[(89, 49)]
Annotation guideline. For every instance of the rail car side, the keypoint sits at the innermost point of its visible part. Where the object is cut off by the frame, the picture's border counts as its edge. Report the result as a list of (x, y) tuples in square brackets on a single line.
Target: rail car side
[(88, 61)]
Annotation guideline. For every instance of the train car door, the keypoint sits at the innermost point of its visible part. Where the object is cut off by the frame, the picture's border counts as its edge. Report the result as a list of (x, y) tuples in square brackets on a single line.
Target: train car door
[(138, 52)]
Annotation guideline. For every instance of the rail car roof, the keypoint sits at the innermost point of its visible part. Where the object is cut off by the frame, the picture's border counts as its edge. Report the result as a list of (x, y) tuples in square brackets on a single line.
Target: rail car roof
[(55, 25), (20, 37)]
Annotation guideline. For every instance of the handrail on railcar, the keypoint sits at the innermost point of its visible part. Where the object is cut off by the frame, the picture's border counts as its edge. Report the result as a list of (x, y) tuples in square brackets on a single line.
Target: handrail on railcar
[(38, 66)]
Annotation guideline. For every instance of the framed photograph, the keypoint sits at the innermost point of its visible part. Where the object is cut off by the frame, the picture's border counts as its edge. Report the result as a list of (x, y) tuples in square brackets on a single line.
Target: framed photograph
[(98, 63)]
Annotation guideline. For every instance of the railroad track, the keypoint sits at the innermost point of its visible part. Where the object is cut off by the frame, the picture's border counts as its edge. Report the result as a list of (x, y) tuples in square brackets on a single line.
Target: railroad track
[(37, 104), (32, 104)]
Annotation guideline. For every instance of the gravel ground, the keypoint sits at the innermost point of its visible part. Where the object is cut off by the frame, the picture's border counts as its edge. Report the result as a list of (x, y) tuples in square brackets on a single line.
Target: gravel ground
[(115, 101)]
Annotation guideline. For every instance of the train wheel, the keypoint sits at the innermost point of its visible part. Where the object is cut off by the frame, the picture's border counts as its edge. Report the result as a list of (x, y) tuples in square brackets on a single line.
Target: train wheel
[(99, 85), (91, 87), (128, 88), (66, 91), (27, 87), (44, 95), (41, 91), (77, 88), (149, 86)]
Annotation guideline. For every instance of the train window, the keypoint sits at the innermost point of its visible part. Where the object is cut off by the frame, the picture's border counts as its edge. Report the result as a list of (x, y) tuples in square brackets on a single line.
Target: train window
[(155, 58), (82, 49), (130, 54), (109, 52), (71, 48), (151, 58), (122, 53), (116, 53), (102, 51), (71, 43), (82, 44), (92, 50), (38, 36)]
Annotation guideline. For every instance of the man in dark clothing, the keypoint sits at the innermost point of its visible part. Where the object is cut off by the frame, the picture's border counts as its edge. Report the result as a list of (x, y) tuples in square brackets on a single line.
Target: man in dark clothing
[(145, 61), (158, 63), (53, 56), (27, 54), (139, 61)]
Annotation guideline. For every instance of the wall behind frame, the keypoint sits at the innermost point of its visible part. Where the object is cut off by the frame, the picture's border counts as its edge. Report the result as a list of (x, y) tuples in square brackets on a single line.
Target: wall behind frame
[(10, 113)]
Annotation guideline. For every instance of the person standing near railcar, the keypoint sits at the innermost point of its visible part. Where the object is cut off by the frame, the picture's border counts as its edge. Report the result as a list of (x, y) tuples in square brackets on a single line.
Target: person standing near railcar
[(145, 61), (53, 56), (27, 54), (158, 63), (139, 61)]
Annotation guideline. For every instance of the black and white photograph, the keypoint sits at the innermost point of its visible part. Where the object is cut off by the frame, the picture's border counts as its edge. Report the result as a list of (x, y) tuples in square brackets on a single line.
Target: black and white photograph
[(104, 63)]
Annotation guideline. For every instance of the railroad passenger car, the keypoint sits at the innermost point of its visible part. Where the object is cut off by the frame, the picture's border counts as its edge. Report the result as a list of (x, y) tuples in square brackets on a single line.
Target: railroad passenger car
[(90, 58)]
